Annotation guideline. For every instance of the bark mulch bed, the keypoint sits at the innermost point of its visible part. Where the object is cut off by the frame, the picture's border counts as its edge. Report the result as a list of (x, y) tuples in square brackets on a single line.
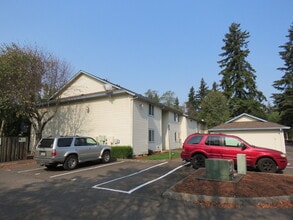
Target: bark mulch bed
[(253, 184)]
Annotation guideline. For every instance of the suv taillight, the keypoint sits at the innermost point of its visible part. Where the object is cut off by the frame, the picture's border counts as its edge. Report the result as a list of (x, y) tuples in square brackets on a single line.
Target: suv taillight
[(54, 153)]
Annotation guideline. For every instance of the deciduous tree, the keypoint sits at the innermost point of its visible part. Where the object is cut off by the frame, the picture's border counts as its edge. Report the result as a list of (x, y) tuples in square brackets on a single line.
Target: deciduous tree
[(168, 98), (153, 95), (29, 76), (214, 109)]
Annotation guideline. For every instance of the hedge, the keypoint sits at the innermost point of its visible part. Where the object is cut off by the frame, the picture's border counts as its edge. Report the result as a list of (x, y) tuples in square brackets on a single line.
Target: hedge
[(122, 152)]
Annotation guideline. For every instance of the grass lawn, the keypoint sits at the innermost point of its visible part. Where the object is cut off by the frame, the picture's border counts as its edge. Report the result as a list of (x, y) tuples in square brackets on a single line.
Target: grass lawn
[(163, 156)]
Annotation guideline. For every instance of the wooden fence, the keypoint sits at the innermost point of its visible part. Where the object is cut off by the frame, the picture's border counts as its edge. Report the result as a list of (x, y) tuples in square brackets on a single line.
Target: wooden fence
[(13, 148)]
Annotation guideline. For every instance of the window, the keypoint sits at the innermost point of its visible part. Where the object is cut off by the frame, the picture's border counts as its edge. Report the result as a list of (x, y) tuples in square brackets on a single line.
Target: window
[(176, 117), (64, 142), (80, 142), (151, 109), (177, 137), (151, 135), (84, 142), (195, 140), (90, 141), (213, 140), (232, 142), (46, 143)]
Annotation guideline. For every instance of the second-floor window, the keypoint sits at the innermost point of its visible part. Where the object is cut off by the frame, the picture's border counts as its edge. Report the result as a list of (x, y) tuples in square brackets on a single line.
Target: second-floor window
[(176, 117), (151, 109)]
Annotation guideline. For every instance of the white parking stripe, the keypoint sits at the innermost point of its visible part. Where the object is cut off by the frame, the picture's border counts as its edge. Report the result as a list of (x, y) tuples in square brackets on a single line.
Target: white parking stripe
[(24, 171), (132, 174), (86, 169), (139, 186), (154, 180)]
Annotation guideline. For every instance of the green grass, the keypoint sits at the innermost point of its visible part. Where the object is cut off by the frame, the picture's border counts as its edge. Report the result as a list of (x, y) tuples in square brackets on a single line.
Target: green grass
[(163, 156)]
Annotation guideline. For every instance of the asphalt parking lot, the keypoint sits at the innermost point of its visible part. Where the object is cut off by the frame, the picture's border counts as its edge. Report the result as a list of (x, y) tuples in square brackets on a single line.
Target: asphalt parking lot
[(123, 189)]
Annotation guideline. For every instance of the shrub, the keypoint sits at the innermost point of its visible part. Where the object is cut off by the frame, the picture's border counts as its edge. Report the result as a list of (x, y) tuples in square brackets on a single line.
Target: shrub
[(122, 152)]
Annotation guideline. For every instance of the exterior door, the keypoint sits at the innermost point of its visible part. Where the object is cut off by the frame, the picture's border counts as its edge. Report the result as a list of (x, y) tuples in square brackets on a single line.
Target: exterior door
[(213, 146), (231, 148), (86, 148)]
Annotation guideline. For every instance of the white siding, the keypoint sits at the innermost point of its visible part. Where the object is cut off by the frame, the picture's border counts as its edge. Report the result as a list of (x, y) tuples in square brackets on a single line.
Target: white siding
[(245, 119), (140, 128), (120, 120), (155, 123), (189, 126), (110, 117), (83, 85), (174, 132)]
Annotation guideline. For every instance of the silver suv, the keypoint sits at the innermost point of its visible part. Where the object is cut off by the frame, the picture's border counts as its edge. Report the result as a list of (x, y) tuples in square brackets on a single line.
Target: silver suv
[(70, 151)]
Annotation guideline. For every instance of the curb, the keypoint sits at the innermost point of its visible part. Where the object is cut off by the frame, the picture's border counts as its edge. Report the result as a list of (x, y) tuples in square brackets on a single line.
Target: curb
[(16, 163), (237, 201), (170, 194)]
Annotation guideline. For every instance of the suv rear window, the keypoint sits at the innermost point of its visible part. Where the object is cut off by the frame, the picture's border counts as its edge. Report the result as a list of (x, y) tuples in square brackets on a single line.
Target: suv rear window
[(194, 140), (46, 143), (64, 142)]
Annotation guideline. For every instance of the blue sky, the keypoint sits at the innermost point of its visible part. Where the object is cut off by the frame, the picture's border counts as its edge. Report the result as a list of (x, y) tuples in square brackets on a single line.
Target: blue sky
[(151, 44)]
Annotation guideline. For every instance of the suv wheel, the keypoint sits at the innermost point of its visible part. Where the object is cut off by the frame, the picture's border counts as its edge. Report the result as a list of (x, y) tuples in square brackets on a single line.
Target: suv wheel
[(198, 160), (106, 157), (267, 165), (70, 162)]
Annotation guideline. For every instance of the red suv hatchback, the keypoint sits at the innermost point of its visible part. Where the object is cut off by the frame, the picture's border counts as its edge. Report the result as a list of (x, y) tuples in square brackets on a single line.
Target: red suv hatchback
[(197, 147)]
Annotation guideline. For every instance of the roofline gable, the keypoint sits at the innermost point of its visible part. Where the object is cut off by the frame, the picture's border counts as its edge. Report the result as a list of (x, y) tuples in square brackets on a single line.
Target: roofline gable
[(122, 89), (247, 115), (82, 72)]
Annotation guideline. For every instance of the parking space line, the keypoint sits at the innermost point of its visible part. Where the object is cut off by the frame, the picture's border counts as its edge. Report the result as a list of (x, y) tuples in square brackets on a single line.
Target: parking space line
[(86, 169), (154, 180), (139, 186), (132, 174), (25, 171)]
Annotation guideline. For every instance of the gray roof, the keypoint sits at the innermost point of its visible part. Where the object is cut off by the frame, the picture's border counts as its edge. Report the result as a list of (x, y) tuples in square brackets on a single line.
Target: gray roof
[(258, 124)]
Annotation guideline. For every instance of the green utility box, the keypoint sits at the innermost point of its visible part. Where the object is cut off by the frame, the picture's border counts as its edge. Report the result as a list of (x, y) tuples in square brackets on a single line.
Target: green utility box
[(219, 169)]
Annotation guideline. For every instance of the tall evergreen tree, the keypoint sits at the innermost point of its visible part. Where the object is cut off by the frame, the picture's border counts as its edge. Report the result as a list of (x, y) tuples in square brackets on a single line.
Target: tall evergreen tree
[(191, 103), (284, 99), (215, 86), (201, 93), (238, 76), (176, 103)]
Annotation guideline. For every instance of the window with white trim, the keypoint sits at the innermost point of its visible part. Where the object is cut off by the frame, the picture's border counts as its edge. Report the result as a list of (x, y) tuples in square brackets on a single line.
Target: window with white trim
[(151, 109), (176, 117), (151, 135)]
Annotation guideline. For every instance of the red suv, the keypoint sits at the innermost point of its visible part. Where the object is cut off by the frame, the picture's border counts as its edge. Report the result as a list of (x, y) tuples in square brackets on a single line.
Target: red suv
[(197, 147)]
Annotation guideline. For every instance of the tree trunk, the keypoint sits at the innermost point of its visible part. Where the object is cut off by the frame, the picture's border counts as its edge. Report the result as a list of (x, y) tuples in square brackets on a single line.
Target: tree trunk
[(2, 127)]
